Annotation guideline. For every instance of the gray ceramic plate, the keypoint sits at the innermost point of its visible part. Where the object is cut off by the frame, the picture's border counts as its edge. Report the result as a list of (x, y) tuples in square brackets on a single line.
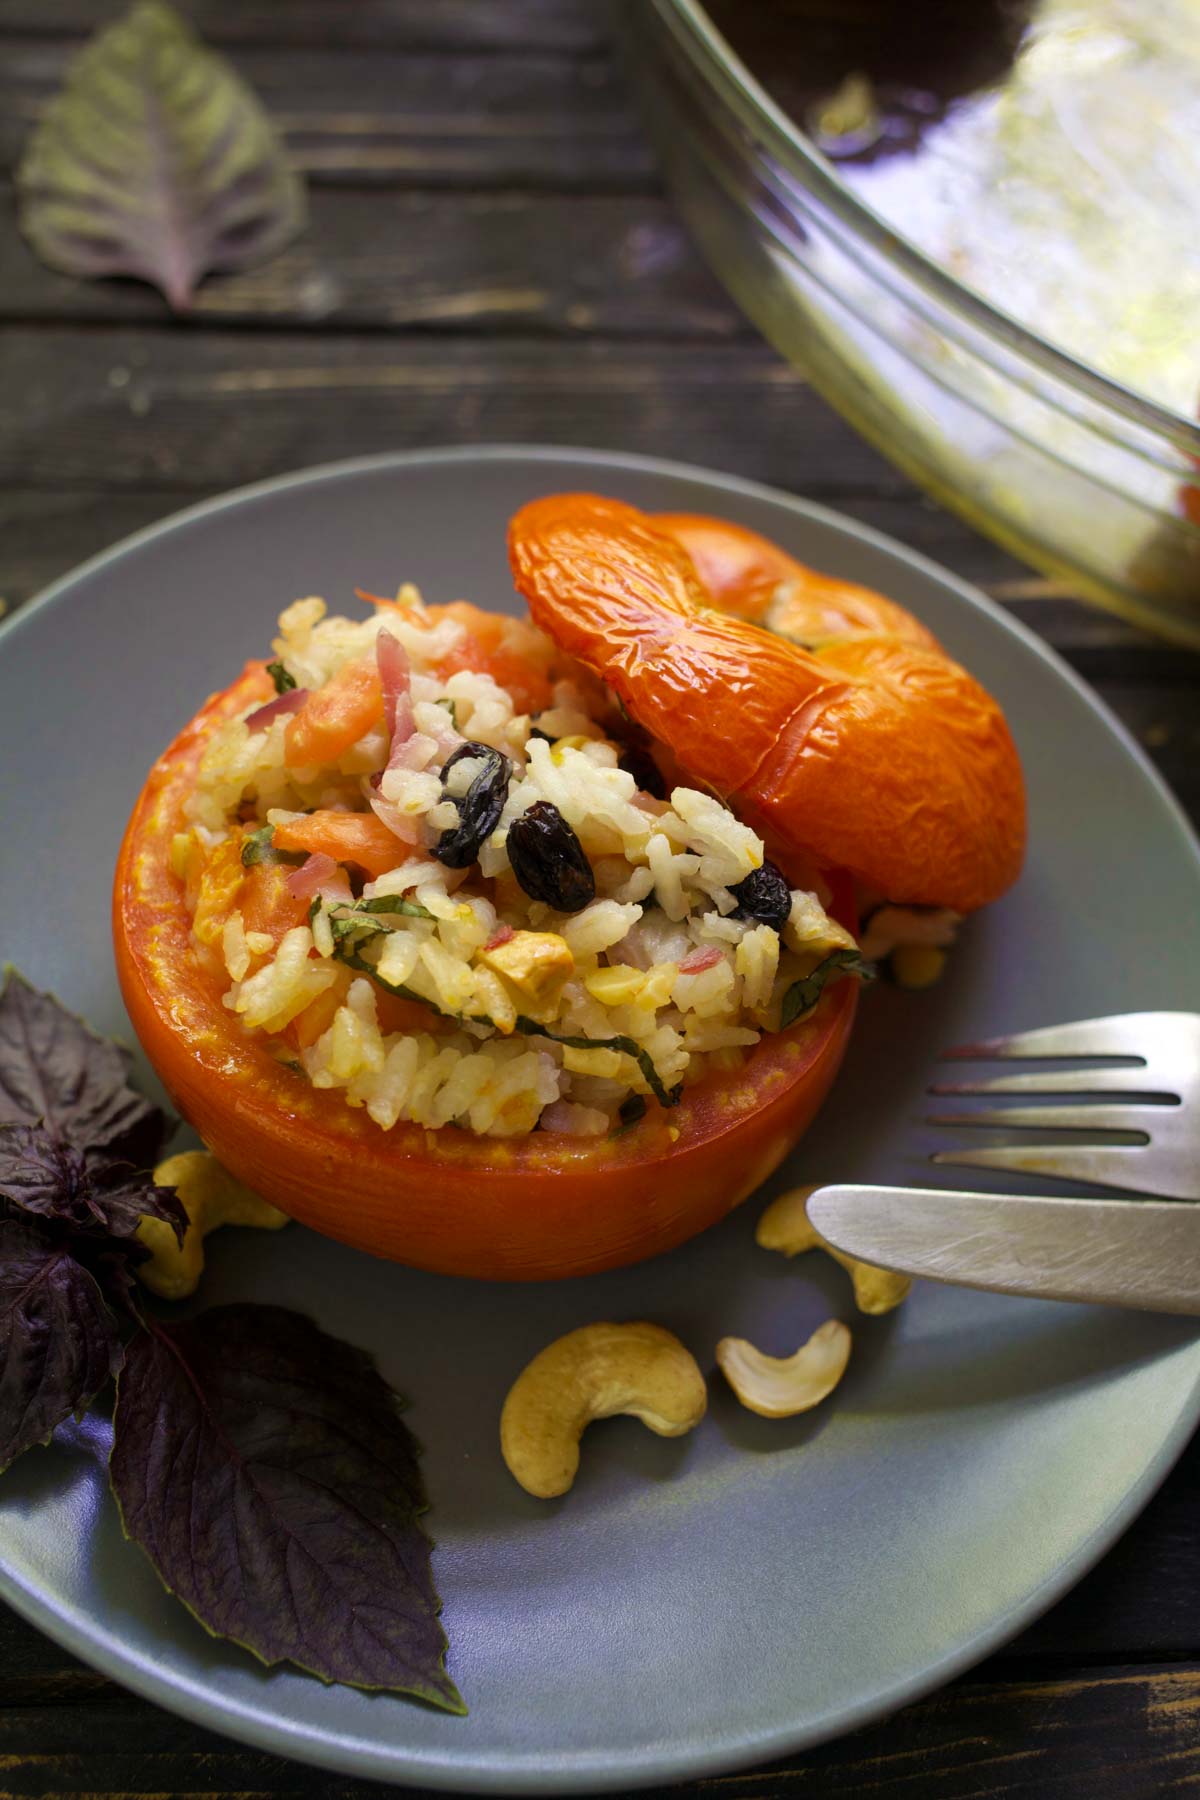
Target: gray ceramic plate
[(756, 1586)]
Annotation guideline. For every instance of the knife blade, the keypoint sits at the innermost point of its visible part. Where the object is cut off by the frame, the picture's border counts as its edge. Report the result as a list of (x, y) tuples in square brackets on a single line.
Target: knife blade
[(1135, 1253)]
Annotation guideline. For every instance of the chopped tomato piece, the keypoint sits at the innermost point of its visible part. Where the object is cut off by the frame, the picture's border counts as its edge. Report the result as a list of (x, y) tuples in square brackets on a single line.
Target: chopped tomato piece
[(268, 905), (517, 657), (408, 1016), (335, 716), (358, 838)]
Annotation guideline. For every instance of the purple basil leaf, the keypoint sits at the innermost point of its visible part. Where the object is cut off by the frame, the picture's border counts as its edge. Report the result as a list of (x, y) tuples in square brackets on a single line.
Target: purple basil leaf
[(41, 1174), (58, 1342), (264, 1469), (122, 1196), (157, 161), (56, 1071)]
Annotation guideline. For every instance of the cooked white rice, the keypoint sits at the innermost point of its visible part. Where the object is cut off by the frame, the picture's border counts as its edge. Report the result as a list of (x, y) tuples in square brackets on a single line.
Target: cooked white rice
[(656, 960)]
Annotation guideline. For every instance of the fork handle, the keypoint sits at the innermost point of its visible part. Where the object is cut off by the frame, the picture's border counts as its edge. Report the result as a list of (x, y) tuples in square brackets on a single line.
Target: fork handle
[(1135, 1253)]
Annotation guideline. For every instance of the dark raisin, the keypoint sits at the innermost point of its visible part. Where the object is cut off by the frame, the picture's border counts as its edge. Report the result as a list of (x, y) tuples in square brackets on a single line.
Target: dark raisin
[(548, 860), (479, 808), (639, 763), (764, 896)]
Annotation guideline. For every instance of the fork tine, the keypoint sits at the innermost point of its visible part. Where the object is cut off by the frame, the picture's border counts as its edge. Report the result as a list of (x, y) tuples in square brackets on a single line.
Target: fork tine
[(1102, 1080), (1058, 1118), (1122, 1034), (1133, 1167)]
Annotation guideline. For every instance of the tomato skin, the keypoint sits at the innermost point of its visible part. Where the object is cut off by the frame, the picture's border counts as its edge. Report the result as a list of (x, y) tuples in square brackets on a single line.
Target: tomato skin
[(529, 1208)]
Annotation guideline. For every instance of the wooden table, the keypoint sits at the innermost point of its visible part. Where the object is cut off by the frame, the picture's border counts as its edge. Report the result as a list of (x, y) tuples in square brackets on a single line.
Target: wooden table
[(490, 257)]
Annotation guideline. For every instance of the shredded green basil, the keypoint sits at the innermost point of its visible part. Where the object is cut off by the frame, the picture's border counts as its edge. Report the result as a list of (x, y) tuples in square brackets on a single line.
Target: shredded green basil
[(346, 951), (626, 1045), (284, 683), (803, 995), (363, 917), (259, 847)]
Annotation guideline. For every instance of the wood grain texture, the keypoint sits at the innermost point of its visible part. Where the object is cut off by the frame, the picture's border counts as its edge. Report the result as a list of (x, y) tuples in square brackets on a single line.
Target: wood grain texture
[(1125, 1733), (381, 115), (578, 266), (450, 25), (191, 409)]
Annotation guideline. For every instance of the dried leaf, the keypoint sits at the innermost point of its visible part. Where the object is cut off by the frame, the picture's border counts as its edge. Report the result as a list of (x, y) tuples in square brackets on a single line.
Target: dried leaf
[(55, 1071), (58, 1341), (156, 160), (265, 1471)]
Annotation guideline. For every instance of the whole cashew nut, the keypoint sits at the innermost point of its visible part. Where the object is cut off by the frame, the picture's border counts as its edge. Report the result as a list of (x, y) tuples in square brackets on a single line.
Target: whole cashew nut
[(210, 1196), (785, 1227), (589, 1374), (780, 1386)]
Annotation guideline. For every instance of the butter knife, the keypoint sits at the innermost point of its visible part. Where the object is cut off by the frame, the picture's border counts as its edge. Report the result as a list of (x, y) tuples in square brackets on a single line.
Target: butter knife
[(1136, 1253)]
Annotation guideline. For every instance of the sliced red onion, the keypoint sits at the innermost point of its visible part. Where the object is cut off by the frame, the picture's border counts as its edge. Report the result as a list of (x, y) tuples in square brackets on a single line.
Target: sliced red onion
[(395, 672), (632, 952), (290, 702), (573, 1120), (406, 827), (402, 727), (414, 753), (312, 874), (704, 956)]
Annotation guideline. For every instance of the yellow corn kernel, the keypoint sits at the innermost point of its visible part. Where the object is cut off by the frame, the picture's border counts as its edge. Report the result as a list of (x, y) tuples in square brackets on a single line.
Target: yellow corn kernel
[(567, 743), (609, 1064), (613, 987), (537, 963), (656, 986), (917, 965)]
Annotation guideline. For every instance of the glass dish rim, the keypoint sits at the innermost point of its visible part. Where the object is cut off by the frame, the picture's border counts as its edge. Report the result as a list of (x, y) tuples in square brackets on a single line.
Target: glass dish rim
[(723, 70)]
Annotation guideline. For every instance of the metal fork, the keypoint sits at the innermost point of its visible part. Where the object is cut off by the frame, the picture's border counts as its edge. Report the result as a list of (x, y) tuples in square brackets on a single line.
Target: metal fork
[(1159, 1077), (1140, 1253)]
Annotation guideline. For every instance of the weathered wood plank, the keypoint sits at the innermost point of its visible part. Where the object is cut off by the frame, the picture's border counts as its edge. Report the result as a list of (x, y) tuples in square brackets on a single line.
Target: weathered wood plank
[(394, 113), (181, 409), (577, 265), (461, 25), (1116, 1734)]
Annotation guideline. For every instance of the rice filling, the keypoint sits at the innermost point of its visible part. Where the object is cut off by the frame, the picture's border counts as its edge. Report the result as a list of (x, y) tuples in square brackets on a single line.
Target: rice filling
[(468, 913)]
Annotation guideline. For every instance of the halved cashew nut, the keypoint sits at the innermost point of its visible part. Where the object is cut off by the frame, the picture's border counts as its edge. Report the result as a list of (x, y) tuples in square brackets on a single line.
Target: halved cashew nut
[(210, 1197), (780, 1386), (785, 1227), (589, 1374)]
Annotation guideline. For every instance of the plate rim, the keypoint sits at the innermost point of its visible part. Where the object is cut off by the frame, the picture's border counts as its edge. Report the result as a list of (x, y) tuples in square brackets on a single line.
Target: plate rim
[(501, 1771)]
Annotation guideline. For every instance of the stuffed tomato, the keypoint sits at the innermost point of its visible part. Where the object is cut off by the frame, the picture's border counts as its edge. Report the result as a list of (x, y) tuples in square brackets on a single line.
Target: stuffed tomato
[(439, 937)]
